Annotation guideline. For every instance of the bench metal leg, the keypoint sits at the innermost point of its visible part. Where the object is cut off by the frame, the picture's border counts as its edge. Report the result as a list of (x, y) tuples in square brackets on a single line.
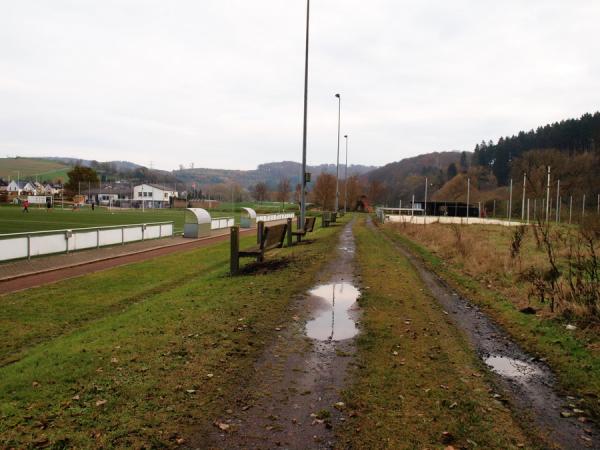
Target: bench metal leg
[(289, 232)]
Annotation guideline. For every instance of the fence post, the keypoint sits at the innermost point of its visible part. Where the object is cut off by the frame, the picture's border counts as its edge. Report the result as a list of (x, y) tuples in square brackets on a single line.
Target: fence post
[(570, 209), (260, 227), (234, 261), (98, 238), (289, 232), (28, 246)]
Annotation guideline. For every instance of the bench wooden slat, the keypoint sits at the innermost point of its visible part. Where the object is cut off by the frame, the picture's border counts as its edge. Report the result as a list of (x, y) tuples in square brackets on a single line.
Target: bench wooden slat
[(309, 226)]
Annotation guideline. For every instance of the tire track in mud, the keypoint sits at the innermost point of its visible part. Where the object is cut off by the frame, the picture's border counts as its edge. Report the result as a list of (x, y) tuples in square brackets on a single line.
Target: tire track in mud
[(293, 400), (528, 382)]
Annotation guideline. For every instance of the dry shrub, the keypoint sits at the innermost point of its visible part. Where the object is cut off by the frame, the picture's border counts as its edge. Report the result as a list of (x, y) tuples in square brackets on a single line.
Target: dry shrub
[(558, 266), (570, 280), (458, 239)]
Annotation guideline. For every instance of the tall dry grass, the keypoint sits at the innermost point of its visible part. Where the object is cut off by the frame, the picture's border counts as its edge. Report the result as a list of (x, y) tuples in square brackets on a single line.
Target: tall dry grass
[(555, 269)]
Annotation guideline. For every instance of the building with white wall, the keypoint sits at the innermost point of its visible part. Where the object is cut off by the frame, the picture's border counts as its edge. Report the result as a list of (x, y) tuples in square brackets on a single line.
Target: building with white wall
[(153, 195)]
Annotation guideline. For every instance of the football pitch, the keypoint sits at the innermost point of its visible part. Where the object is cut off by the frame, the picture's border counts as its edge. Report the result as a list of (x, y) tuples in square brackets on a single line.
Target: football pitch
[(13, 220)]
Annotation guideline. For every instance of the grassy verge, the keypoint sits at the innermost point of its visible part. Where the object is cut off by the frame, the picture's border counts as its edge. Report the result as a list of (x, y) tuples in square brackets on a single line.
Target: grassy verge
[(417, 384), (574, 356), (141, 356)]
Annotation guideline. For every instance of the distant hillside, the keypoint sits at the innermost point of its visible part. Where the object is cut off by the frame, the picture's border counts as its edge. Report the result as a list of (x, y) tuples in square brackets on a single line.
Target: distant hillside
[(120, 166), (569, 136), (269, 173), (45, 169), (402, 179), (54, 168)]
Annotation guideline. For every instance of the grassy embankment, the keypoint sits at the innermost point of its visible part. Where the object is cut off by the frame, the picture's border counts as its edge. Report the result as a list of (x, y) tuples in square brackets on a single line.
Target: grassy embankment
[(142, 355), (481, 267), (416, 377), (33, 168)]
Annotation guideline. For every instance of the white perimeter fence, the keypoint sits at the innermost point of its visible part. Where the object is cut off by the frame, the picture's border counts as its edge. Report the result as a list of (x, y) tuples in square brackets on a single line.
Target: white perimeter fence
[(218, 223), (272, 217), (26, 245), (423, 220)]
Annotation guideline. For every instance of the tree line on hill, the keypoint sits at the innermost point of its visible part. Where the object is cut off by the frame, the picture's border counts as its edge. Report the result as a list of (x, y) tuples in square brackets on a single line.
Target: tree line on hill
[(570, 147), (572, 136)]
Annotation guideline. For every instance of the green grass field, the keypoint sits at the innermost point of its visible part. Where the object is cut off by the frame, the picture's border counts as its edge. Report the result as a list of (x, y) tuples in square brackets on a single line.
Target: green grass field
[(13, 220), (139, 356)]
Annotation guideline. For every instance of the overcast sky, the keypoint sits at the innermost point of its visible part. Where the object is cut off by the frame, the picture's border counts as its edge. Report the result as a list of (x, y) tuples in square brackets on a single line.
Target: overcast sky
[(220, 82)]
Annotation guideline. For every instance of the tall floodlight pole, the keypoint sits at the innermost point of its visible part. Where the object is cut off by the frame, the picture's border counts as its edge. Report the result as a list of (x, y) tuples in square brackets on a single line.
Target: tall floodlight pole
[(337, 167), (303, 194), (548, 196), (425, 209), (558, 201), (523, 203), (468, 196), (510, 201), (346, 178)]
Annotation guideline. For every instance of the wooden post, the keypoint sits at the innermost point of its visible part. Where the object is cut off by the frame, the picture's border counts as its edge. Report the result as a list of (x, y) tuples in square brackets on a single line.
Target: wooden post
[(234, 241), (260, 228), (289, 232)]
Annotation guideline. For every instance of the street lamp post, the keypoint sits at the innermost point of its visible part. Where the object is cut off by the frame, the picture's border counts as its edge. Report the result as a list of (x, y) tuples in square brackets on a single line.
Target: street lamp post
[(346, 178), (337, 168), (303, 194)]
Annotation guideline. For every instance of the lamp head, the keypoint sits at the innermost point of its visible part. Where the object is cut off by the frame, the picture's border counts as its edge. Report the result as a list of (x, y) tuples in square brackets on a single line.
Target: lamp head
[(337, 95), (346, 136)]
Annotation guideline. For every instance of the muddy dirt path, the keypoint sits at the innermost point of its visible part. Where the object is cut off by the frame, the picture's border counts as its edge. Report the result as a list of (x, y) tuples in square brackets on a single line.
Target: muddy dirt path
[(528, 382), (293, 401)]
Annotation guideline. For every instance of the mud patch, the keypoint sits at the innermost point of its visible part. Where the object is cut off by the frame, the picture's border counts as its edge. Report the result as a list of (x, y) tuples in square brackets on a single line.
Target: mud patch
[(293, 401), (267, 266)]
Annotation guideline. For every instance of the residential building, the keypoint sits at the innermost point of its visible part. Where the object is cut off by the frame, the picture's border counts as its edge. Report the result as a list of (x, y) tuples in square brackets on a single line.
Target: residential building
[(153, 195)]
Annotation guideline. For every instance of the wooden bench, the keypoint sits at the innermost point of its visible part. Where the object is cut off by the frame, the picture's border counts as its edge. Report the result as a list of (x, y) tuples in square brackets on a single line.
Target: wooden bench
[(309, 226), (325, 219), (334, 217), (272, 237)]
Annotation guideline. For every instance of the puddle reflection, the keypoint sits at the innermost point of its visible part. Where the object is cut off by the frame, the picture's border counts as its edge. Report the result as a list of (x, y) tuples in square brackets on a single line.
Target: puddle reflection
[(336, 319), (511, 368)]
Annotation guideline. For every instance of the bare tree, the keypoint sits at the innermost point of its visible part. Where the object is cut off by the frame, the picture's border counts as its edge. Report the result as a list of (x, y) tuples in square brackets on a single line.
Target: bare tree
[(298, 193), (283, 191), (354, 190), (259, 192), (375, 191), (323, 193)]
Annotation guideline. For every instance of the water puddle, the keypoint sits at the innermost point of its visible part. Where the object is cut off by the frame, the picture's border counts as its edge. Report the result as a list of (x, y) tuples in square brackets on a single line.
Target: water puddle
[(511, 368), (336, 312)]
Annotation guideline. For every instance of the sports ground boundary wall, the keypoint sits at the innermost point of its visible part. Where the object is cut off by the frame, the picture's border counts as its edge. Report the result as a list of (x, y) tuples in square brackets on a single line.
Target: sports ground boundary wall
[(38, 243)]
